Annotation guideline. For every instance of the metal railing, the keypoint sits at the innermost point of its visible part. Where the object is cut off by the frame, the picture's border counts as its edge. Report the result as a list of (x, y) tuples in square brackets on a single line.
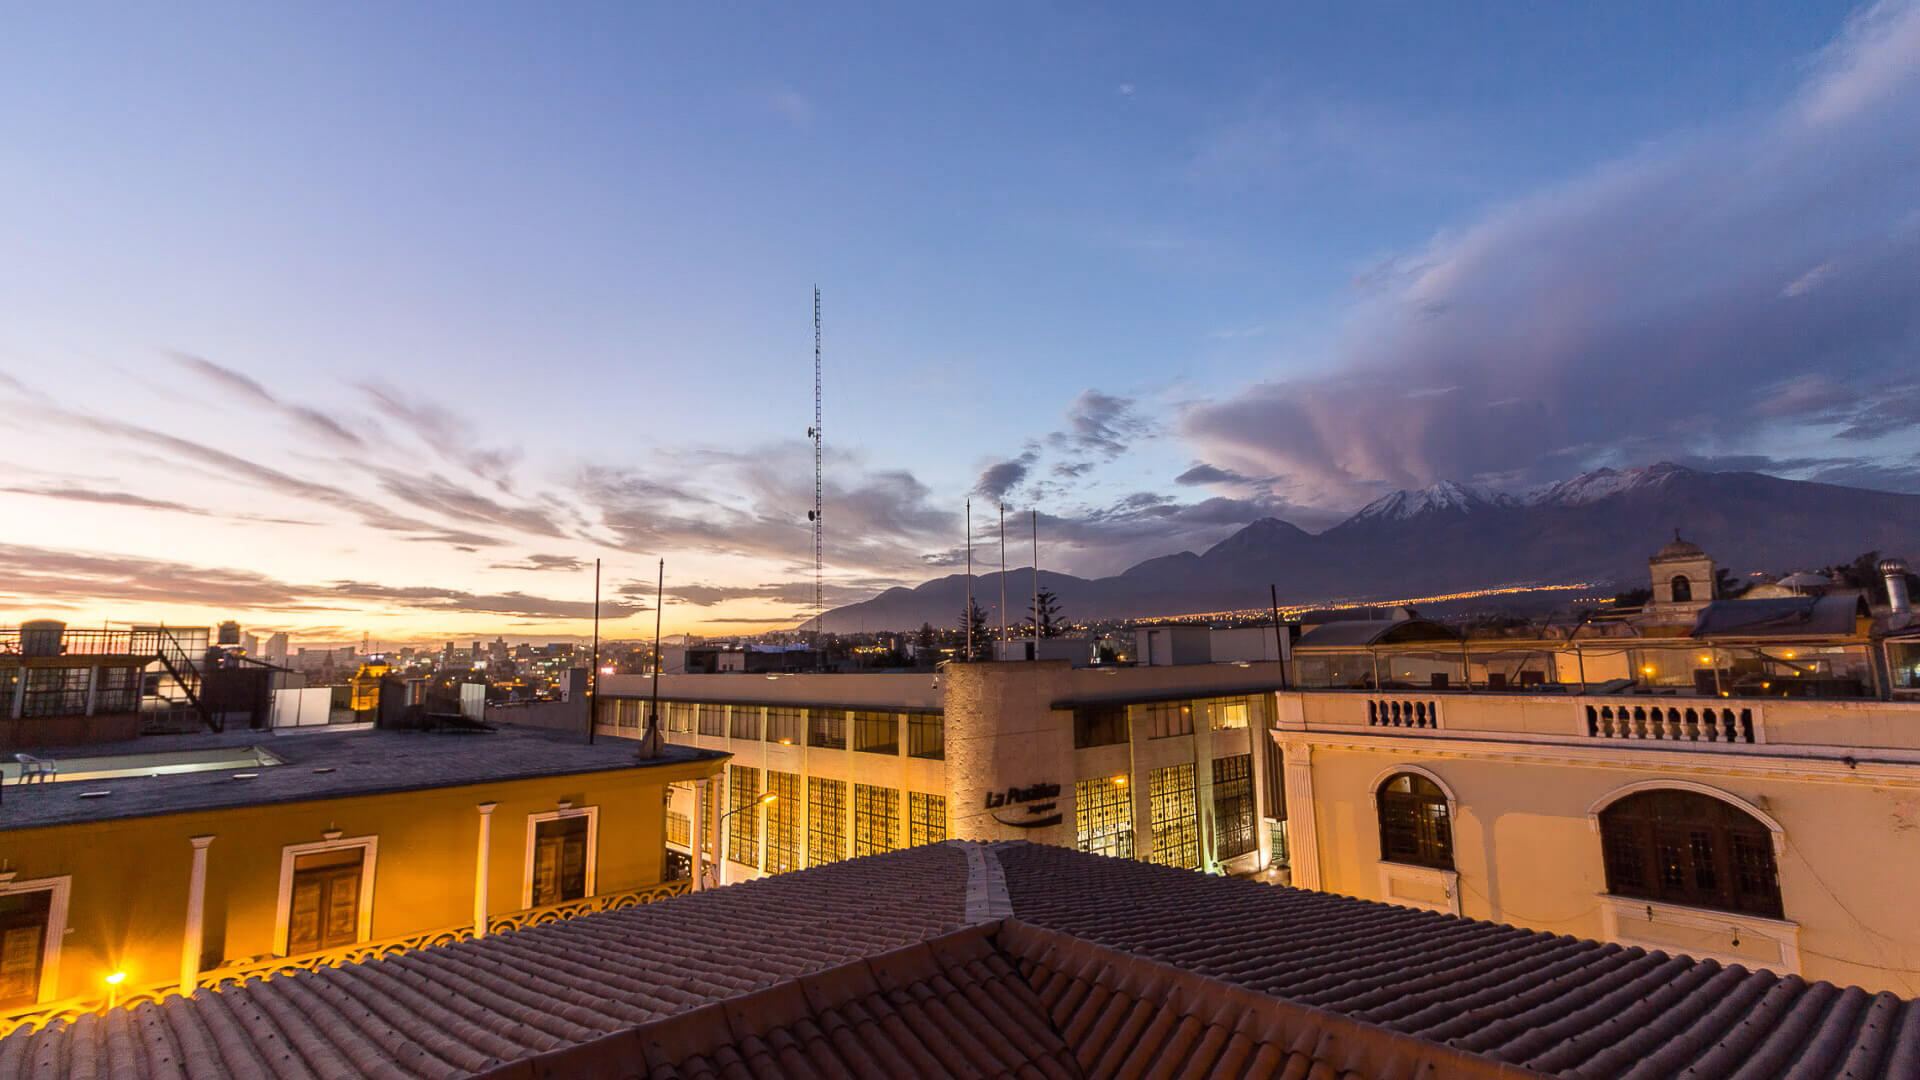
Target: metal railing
[(76, 642), (235, 975)]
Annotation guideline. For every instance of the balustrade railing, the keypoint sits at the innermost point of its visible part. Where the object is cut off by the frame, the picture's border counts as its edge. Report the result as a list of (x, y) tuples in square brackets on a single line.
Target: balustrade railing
[(1401, 713), (1670, 723), (234, 975)]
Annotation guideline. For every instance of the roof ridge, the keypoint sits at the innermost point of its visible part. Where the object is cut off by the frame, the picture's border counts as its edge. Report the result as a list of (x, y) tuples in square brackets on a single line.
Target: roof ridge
[(987, 899)]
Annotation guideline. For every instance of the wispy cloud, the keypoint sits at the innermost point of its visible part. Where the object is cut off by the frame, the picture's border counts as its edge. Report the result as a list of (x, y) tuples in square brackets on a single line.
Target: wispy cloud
[(1638, 310)]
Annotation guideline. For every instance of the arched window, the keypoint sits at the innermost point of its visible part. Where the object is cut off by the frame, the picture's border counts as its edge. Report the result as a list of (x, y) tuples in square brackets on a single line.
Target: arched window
[(1414, 824), (1682, 847), (1682, 589)]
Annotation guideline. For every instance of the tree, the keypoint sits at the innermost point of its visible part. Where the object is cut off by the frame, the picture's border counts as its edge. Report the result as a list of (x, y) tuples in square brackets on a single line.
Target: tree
[(1046, 610), (973, 623), (1725, 585), (1633, 599), (924, 642)]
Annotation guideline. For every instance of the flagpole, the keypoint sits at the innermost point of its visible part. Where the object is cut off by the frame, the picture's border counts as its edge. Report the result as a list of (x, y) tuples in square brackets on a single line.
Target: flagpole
[(1034, 516), (967, 617), (1003, 575)]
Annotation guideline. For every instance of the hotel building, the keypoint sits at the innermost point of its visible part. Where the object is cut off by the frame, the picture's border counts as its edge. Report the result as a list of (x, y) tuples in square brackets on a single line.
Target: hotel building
[(1743, 785)]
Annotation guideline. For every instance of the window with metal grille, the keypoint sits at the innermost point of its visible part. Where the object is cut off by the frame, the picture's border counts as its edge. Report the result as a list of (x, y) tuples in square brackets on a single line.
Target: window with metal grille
[(744, 723), (743, 828), (118, 690), (876, 733), (827, 728), (678, 716), (713, 720), (627, 713), (55, 691), (1233, 806), (1176, 817), (926, 818), (1166, 719), (679, 829), (926, 735), (784, 726), (783, 822), (1414, 824), (1099, 725), (826, 821), (876, 819), (1683, 847), (1103, 816)]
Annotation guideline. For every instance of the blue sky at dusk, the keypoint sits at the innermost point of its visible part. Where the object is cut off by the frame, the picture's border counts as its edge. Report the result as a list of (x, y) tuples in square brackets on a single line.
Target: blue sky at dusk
[(393, 317)]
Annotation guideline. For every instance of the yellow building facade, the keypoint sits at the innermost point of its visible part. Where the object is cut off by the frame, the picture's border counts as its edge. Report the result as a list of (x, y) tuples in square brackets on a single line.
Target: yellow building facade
[(322, 861)]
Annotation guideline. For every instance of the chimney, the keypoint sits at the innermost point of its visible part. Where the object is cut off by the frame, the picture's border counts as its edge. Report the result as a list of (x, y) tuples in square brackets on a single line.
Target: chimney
[(1895, 571)]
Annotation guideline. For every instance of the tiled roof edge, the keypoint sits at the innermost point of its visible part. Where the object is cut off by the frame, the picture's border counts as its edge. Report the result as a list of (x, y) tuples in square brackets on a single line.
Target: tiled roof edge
[(699, 1032), (1351, 1047), (987, 898)]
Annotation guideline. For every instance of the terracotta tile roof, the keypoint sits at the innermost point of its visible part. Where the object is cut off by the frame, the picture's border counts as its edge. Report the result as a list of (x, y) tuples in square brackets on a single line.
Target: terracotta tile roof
[(909, 963), (464, 1008), (1006, 999), (1558, 1005)]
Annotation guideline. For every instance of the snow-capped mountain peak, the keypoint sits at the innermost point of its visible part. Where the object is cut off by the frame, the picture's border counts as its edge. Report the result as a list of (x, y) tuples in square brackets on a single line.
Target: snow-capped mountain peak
[(1603, 483), (1445, 496)]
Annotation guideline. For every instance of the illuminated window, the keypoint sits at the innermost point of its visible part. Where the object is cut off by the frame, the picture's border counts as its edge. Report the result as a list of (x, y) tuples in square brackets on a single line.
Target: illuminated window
[(1176, 822), (713, 720), (745, 723), (783, 823), (926, 818), (876, 819), (1103, 816), (827, 728), (743, 828), (876, 733), (679, 716), (926, 736), (1233, 805), (1228, 713), (826, 821), (679, 829), (1683, 847), (1414, 825), (784, 725), (55, 691)]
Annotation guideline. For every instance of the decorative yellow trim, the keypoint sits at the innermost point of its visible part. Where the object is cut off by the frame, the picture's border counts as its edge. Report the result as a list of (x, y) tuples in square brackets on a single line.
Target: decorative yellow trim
[(236, 975)]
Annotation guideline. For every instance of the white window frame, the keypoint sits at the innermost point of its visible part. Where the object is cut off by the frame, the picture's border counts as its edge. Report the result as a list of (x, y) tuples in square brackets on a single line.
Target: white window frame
[(62, 889), (283, 912), (1431, 876), (593, 848), (1784, 933)]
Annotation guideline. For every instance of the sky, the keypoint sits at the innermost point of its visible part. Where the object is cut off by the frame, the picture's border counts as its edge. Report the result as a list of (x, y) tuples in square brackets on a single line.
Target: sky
[(357, 318)]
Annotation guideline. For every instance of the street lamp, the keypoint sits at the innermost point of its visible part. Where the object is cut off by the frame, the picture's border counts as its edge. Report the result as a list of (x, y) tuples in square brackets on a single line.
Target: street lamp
[(720, 828)]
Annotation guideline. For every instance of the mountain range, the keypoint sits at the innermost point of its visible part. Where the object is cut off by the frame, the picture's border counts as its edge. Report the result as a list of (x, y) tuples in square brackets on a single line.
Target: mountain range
[(1599, 527)]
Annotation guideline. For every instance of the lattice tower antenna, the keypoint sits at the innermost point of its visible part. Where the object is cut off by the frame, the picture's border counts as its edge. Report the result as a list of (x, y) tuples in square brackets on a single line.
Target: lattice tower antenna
[(819, 562)]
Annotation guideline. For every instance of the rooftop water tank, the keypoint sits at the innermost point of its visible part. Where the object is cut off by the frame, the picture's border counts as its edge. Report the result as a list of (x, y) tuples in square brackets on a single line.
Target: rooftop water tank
[(41, 637)]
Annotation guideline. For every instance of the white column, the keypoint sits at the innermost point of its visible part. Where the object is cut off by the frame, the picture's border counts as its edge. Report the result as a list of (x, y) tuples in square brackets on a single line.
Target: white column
[(481, 852), (697, 834), (19, 690), (1303, 843), (1258, 741), (93, 688), (722, 850), (196, 912)]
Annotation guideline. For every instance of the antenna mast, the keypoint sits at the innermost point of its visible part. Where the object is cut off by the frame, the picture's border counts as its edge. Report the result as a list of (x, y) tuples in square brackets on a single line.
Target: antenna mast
[(819, 606)]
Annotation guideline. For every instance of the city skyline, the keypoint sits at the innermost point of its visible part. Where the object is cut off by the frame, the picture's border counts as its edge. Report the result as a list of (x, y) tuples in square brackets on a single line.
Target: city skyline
[(312, 335)]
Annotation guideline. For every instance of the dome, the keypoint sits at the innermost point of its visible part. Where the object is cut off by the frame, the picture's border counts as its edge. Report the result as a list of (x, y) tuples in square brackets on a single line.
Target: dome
[(1805, 579), (1679, 549)]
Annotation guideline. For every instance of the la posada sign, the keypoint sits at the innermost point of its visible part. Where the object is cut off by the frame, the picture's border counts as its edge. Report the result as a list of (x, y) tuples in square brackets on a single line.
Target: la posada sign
[(1037, 800)]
